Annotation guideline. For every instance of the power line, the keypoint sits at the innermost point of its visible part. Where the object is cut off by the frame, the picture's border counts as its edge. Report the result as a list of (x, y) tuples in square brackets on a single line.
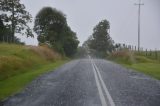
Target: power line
[(139, 21)]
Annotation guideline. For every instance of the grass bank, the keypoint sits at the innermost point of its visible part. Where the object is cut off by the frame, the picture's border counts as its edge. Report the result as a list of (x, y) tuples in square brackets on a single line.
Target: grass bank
[(19, 65), (137, 62), (16, 83), (152, 69)]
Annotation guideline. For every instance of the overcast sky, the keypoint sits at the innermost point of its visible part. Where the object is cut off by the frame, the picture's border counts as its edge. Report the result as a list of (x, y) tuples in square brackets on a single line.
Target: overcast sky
[(83, 15)]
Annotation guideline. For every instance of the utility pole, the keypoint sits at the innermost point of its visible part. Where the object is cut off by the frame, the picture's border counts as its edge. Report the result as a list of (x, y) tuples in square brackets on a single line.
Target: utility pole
[(139, 22)]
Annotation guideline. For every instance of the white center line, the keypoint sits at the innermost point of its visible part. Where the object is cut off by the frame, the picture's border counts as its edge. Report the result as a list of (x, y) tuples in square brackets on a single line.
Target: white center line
[(102, 98), (104, 87), (97, 78)]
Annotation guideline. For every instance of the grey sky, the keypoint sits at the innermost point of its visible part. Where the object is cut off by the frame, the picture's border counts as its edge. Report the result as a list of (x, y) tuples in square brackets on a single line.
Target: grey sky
[(83, 15)]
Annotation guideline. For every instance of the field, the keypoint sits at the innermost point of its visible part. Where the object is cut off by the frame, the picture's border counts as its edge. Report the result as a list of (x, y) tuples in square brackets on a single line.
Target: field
[(138, 61), (21, 64), (154, 55)]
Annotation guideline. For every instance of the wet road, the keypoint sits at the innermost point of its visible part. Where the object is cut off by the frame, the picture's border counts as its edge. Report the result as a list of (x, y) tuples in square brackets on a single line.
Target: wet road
[(89, 82)]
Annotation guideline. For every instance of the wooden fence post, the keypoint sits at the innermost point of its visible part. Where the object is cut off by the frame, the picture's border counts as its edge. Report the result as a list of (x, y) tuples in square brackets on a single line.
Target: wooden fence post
[(156, 54), (146, 52), (150, 52)]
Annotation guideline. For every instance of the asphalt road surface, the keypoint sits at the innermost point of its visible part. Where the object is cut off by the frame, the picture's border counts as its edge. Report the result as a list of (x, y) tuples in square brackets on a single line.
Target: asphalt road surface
[(89, 82)]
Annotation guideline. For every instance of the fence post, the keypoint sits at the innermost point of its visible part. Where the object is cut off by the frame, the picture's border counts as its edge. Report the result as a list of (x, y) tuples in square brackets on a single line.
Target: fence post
[(156, 54), (130, 47), (142, 49), (150, 52), (146, 52)]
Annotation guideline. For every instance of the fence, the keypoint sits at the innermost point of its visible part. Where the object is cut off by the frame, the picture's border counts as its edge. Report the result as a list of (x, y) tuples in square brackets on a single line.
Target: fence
[(153, 54)]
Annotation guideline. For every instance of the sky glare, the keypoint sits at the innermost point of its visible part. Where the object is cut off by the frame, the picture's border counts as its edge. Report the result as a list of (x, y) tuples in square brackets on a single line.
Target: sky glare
[(83, 15)]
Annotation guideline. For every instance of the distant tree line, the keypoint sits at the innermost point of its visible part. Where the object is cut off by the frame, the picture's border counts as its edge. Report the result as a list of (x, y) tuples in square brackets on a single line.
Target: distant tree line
[(100, 41)]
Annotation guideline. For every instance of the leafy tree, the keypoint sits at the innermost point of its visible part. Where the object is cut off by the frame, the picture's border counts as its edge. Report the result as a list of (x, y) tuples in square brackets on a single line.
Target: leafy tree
[(101, 40), (5, 34), (48, 22), (70, 42), (51, 27), (16, 17), (2, 28)]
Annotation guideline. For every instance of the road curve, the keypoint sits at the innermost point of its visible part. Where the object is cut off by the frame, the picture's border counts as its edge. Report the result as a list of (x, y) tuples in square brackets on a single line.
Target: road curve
[(89, 82)]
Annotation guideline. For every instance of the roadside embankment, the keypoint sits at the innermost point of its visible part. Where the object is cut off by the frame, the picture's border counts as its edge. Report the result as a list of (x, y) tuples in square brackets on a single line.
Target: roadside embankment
[(137, 62), (21, 64)]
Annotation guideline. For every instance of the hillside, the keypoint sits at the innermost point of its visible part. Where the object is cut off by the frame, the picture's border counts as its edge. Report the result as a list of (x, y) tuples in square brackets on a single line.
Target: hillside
[(21, 64)]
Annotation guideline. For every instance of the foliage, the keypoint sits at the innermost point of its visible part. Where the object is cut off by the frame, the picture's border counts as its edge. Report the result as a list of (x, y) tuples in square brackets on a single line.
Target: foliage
[(100, 40), (15, 17), (51, 27), (69, 42), (49, 21), (81, 52), (5, 35), (2, 29)]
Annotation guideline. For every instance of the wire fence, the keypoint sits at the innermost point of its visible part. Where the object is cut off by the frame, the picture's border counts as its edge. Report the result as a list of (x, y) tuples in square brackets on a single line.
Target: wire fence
[(152, 54)]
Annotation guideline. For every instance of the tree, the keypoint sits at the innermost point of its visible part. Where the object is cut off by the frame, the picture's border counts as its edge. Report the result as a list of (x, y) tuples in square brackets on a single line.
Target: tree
[(49, 22), (5, 34), (51, 27), (16, 17), (70, 42), (2, 28), (101, 40)]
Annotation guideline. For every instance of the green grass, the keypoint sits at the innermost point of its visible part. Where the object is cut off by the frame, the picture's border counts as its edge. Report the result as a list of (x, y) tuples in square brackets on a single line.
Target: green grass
[(17, 59), (17, 83), (21, 64), (138, 62), (155, 55), (152, 69)]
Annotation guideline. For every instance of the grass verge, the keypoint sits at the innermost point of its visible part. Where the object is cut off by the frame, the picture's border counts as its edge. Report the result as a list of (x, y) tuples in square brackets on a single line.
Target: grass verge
[(16, 83), (137, 62), (152, 69)]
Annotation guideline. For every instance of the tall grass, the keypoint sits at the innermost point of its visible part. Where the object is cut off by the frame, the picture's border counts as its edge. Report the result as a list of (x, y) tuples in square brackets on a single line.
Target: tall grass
[(155, 55), (130, 57), (16, 59), (21, 64), (137, 61)]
